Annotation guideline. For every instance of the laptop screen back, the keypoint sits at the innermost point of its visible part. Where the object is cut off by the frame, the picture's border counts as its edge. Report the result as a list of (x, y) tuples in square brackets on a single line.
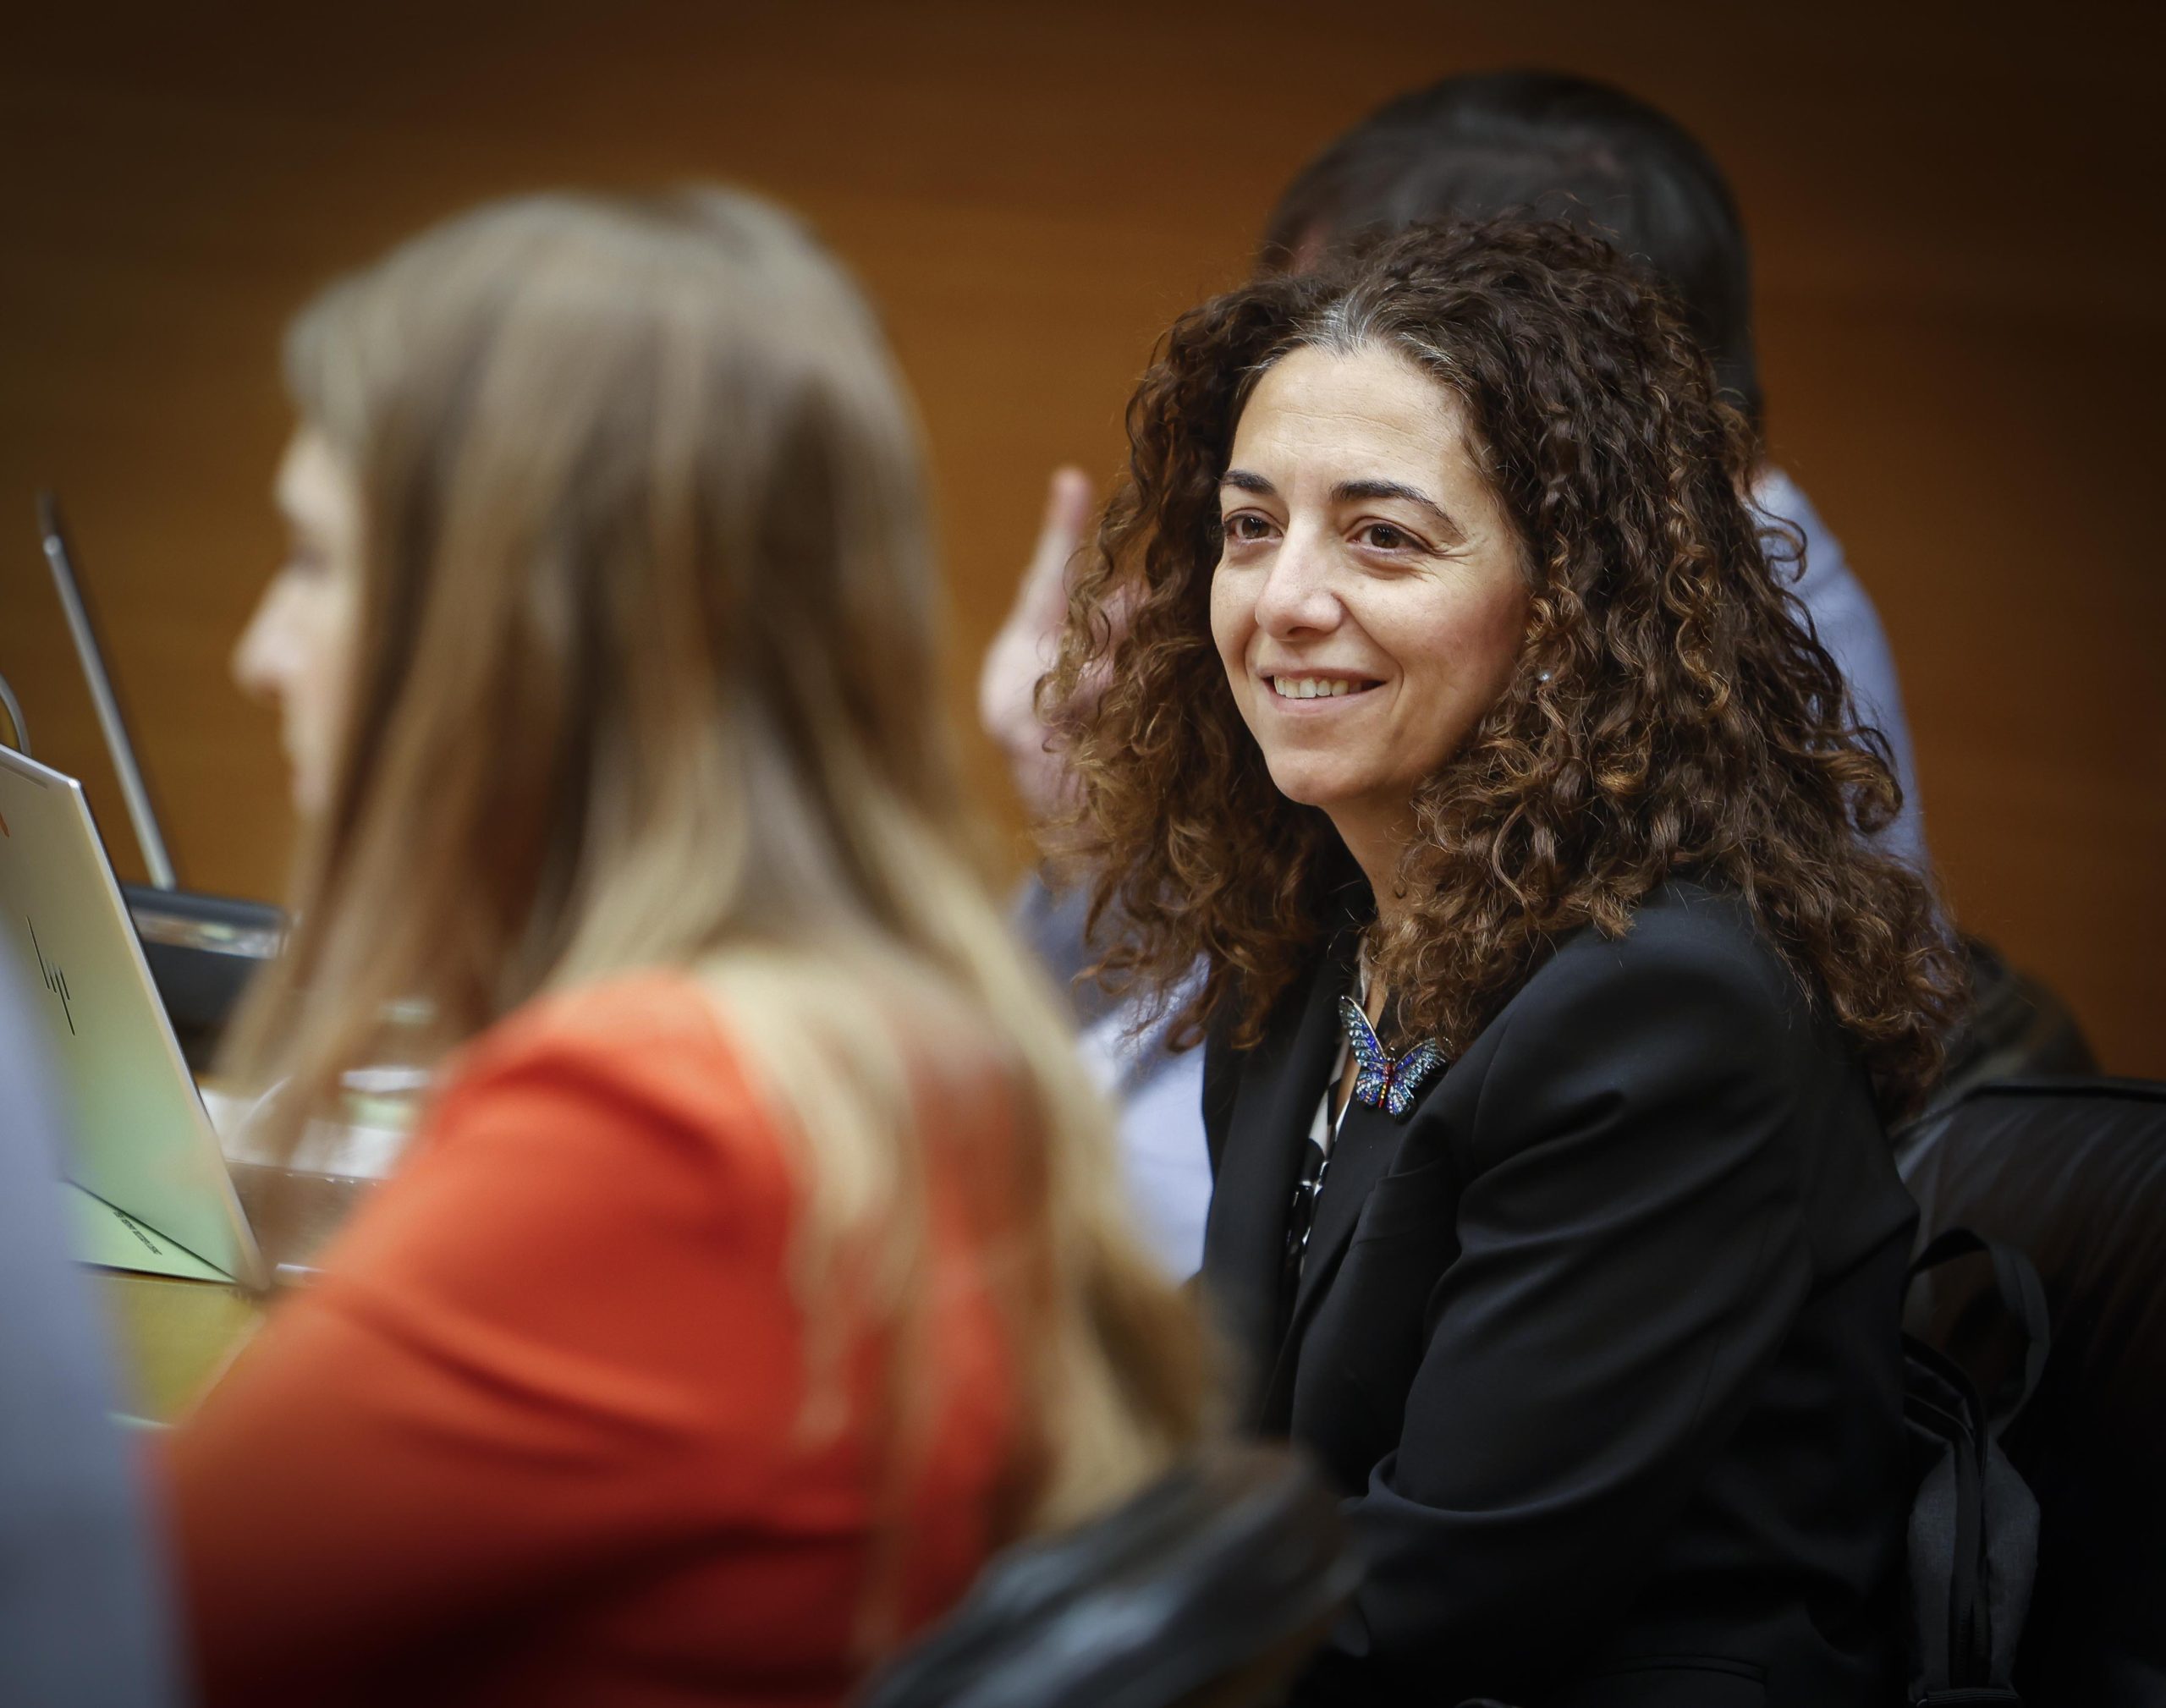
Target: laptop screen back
[(142, 1143)]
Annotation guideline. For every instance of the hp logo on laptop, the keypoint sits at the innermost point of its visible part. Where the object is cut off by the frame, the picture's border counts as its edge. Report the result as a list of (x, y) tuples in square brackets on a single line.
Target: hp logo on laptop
[(55, 980)]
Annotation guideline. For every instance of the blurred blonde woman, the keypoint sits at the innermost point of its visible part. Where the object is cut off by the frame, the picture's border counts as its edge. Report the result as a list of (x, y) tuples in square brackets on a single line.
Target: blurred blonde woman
[(757, 1268)]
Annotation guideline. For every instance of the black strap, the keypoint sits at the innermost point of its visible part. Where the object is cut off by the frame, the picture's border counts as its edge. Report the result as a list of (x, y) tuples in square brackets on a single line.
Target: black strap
[(1958, 1649), (1942, 1400), (1300, 1223), (2016, 1279)]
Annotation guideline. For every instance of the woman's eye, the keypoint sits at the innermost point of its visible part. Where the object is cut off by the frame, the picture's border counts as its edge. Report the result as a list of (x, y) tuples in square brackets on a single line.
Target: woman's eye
[(1246, 525), (1385, 538)]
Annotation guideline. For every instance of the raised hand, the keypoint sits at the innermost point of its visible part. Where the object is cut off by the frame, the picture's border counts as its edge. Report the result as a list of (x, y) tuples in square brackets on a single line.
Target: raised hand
[(1025, 646)]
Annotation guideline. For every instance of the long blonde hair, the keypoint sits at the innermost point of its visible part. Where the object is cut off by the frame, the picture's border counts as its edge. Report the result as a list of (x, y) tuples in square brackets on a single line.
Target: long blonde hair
[(647, 675)]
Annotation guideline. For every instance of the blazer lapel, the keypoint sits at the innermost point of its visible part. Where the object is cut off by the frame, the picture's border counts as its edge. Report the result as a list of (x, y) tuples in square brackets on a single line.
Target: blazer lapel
[(1244, 1236), (1367, 1144)]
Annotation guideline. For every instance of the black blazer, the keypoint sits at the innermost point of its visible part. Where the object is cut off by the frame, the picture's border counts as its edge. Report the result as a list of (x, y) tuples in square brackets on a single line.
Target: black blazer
[(1600, 1341)]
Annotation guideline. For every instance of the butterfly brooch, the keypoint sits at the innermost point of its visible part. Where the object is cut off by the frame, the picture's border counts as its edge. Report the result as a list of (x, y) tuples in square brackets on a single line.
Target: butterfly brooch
[(1380, 1079)]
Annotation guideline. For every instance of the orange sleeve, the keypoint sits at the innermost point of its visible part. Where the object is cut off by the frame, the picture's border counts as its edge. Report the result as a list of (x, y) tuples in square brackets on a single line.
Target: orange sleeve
[(561, 1338)]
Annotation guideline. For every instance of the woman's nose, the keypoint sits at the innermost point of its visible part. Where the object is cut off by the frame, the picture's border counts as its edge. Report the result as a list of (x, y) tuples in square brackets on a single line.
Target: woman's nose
[(1296, 596), (259, 660)]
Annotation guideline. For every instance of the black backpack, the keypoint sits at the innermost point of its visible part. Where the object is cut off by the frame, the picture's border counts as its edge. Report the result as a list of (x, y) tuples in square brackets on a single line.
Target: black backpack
[(2072, 1173)]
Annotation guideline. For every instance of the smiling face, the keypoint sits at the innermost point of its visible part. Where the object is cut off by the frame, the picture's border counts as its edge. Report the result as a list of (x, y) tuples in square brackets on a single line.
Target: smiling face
[(296, 652), (1370, 599)]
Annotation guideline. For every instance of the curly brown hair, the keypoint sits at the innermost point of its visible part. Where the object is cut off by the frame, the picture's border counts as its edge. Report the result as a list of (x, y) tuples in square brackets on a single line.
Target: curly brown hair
[(1672, 711)]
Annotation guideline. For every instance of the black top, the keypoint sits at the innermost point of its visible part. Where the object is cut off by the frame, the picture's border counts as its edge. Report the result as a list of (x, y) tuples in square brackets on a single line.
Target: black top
[(1601, 1341)]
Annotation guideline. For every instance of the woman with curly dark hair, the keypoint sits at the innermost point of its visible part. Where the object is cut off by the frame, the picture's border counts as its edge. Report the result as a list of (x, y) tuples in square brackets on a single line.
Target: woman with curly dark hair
[(1557, 995)]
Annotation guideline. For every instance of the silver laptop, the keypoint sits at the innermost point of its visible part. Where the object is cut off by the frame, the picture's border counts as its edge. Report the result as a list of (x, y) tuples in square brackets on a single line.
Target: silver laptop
[(148, 1187)]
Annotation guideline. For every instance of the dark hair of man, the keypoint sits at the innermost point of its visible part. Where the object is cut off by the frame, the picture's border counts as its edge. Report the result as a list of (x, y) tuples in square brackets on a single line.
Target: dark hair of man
[(1549, 146), (1671, 712)]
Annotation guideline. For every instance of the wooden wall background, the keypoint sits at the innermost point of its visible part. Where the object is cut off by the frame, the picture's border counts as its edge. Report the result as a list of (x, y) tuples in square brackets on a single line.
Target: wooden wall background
[(1958, 250)]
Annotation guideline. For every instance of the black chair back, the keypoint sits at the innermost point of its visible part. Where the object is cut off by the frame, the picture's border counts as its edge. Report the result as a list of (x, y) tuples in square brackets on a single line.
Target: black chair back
[(1209, 1589)]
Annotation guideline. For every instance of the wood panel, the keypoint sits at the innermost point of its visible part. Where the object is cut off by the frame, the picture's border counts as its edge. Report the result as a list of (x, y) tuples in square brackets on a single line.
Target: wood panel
[(1959, 259)]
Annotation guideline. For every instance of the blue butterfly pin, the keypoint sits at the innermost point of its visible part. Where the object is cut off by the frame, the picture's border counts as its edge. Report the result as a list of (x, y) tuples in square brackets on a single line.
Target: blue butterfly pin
[(1379, 1079)]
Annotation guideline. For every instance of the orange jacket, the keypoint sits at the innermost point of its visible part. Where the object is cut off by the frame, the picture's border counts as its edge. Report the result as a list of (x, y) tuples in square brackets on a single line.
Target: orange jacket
[(536, 1436)]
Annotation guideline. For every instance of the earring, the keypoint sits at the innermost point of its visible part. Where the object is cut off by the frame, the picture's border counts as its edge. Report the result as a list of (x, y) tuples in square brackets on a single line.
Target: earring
[(1543, 676)]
